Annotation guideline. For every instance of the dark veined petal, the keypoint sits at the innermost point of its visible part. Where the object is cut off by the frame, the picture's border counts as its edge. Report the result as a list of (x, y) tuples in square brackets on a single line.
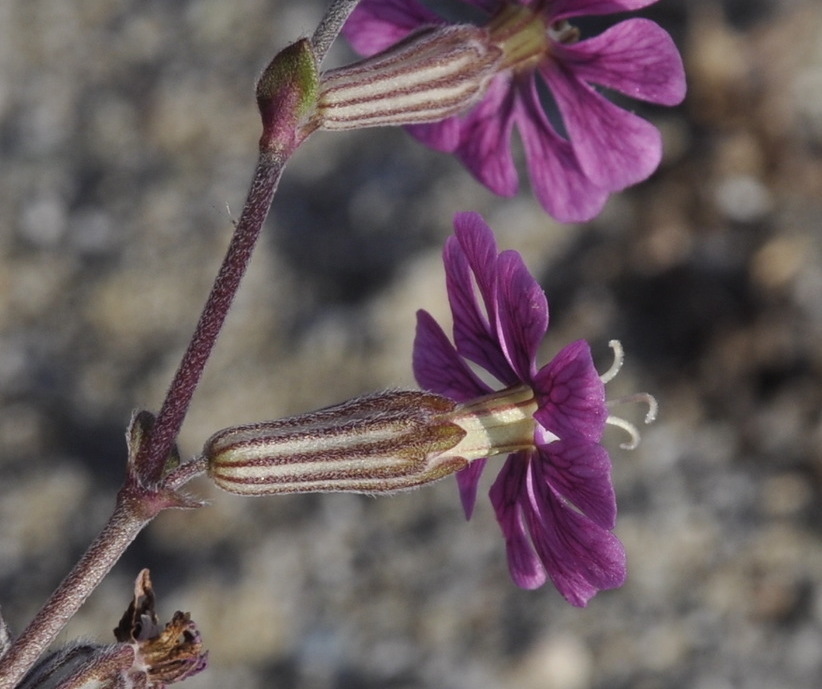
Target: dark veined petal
[(565, 9), (443, 136), (580, 472), (378, 24), (522, 314), (479, 246), (636, 57), (581, 558), (543, 535), (470, 265), (485, 138), (614, 147), (557, 180), (570, 395), (438, 367), (508, 495), (468, 483)]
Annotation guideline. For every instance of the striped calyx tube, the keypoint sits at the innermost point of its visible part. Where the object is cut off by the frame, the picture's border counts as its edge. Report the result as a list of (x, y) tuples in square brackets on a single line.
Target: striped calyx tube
[(433, 74), (379, 443)]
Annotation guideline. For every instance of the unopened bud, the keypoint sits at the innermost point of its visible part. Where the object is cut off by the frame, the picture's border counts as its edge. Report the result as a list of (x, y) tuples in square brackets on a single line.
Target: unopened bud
[(286, 95), (379, 443), (431, 75)]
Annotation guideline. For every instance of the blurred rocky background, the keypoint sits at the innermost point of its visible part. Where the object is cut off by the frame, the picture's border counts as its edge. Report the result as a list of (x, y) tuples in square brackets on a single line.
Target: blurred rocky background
[(127, 138)]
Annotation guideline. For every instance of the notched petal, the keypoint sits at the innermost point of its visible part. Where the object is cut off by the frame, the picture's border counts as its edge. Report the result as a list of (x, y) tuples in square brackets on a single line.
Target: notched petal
[(508, 496), (571, 395), (438, 367), (522, 320), (580, 472), (470, 267), (581, 558), (485, 138), (557, 179), (636, 57), (614, 147)]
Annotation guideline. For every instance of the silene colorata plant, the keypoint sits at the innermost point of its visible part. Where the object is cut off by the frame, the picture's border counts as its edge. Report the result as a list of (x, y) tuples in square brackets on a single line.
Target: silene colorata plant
[(459, 88)]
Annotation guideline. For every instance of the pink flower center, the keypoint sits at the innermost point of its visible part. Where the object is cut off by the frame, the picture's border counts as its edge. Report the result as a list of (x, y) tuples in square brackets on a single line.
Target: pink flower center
[(526, 37)]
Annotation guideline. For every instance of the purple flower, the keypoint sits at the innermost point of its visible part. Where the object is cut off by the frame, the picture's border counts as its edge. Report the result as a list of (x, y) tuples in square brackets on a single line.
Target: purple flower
[(598, 148), (553, 496)]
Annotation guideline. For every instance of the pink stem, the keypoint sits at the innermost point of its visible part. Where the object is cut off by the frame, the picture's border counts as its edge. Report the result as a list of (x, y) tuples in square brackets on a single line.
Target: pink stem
[(125, 523), (171, 415)]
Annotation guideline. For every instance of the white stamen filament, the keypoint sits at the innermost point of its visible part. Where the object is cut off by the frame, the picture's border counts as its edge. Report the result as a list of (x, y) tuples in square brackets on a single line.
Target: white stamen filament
[(619, 358), (629, 428), (640, 398)]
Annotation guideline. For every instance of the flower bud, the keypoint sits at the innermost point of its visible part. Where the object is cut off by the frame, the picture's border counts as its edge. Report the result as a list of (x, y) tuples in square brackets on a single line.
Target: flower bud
[(378, 443), (431, 75), (286, 95)]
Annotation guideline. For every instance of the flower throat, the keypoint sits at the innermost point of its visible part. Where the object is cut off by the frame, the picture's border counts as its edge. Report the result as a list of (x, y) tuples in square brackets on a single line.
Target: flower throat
[(525, 37)]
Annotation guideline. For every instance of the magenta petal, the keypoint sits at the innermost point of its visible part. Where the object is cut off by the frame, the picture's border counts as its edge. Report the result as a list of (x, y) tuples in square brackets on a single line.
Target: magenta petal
[(580, 557), (468, 483), (443, 136), (471, 256), (559, 183), (614, 147), (378, 24), (473, 334), (570, 395), (564, 9), (508, 493), (636, 57), (479, 246), (438, 367), (522, 313), (581, 473), (485, 140)]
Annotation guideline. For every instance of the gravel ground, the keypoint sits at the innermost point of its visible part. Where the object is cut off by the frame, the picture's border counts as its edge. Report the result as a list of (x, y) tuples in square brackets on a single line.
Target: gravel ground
[(127, 138)]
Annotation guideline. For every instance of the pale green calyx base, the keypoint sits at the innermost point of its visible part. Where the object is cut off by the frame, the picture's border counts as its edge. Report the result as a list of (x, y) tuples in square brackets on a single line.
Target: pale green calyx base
[(500, 423)]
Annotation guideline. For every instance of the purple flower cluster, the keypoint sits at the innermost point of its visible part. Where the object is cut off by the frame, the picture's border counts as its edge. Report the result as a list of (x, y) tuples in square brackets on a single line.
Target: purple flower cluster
[(595, 147), (554, 500)]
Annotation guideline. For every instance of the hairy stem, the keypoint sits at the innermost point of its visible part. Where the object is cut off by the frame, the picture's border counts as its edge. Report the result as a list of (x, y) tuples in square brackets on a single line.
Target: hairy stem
[(330, 26), (137, 504), (126, 522), (185, 472), (282, 98), (174, 408)]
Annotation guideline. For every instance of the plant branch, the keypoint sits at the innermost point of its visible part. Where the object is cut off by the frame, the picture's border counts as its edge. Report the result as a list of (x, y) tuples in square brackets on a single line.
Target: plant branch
[(170, 418), (330, 26), (185, 472), (127, 520), (286, 93)]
